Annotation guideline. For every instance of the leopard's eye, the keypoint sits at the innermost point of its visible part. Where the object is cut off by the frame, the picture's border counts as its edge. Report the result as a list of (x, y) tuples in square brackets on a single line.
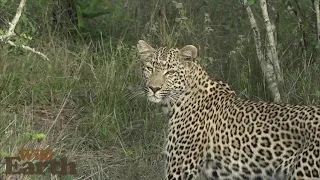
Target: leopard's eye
[(169, 72), (149, 68)]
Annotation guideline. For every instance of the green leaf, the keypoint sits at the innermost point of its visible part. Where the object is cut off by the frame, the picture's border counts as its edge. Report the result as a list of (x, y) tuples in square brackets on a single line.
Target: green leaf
[(2, 170), (2, 32), (4, 154), (67, 177), (39, 136), (3, 2), (251, 2)]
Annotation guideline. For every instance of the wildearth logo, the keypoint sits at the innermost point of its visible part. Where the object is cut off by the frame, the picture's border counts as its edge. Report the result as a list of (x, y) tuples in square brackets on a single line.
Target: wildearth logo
[(42, 161)]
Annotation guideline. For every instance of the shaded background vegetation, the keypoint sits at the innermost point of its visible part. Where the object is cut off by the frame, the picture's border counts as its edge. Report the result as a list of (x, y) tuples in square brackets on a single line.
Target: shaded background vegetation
[(81, 100)]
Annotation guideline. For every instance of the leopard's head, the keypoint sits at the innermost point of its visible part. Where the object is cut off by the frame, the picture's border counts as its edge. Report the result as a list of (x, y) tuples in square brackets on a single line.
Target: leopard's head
[(166, 72)]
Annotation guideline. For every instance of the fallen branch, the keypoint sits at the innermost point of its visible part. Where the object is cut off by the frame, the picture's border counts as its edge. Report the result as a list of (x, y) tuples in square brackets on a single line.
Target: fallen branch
[(6, 37), (29, 49)]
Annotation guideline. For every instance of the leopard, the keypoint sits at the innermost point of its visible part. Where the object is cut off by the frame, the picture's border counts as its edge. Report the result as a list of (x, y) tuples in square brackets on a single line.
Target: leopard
[(214, 133)]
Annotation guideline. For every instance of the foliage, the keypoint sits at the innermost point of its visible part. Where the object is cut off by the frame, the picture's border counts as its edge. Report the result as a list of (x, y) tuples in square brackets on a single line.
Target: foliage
[(88, 10)]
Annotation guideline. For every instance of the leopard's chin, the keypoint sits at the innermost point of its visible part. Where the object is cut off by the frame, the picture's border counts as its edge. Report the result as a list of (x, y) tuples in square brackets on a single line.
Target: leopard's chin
[(155, 99)]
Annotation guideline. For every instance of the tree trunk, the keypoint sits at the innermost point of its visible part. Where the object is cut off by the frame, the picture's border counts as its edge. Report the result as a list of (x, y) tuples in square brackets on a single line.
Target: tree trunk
[(272, 47), (316, 7), (266, 66)]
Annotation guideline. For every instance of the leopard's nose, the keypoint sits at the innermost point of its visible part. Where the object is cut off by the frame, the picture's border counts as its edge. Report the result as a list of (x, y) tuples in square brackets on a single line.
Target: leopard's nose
[(154, 89)]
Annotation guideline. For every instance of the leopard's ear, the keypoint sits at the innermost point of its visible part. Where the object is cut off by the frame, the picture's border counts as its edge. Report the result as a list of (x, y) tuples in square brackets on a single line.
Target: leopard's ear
[(144, 49), (188, 53)]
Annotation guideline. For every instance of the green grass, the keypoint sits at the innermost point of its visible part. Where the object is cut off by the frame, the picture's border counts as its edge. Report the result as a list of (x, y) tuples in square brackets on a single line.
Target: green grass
[(79, 100)]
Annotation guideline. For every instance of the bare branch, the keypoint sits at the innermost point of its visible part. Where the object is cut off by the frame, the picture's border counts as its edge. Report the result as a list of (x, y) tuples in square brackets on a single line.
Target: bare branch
[(14, 21), (6, 38), (29, 49)]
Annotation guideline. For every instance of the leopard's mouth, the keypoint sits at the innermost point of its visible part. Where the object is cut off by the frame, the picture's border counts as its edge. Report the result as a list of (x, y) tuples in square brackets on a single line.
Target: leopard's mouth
[(154, 99)]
